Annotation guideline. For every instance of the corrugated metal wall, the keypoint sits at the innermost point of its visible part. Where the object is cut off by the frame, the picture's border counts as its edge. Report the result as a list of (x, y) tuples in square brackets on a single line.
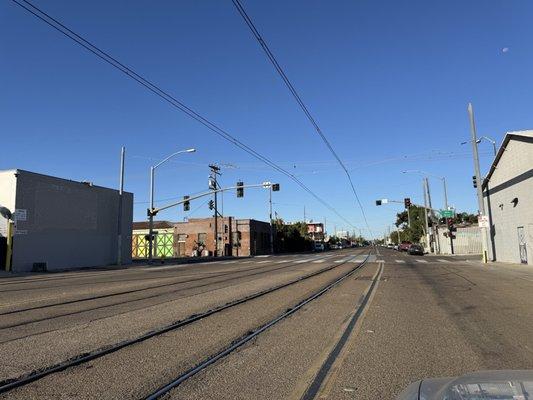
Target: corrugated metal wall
[(467, 241)]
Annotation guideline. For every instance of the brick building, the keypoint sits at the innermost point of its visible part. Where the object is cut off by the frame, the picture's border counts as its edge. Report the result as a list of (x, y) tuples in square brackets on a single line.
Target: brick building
[(196, 237), (316, 231)]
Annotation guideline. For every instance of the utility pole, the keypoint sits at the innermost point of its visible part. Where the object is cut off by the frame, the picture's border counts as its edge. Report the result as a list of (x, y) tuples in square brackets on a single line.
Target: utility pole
[(151, 218), (480, 201), (120, 193), (214, 174), (434, 228), (304, 214)]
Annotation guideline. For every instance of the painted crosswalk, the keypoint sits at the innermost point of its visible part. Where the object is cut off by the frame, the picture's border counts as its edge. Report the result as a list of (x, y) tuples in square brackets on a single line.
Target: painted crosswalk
[(319, 261), (421, 261), (443, 261), (400, 261)]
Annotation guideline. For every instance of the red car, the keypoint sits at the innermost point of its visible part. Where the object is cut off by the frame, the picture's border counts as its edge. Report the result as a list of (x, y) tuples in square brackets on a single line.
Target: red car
[(404, 246)]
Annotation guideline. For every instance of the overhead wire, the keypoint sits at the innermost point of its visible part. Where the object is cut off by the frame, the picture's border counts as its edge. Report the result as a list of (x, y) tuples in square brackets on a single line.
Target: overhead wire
[(299, 100), (54, 23)]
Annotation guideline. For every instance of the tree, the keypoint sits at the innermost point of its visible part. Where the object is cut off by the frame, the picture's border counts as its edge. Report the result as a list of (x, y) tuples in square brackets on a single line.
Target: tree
[(291, 237)]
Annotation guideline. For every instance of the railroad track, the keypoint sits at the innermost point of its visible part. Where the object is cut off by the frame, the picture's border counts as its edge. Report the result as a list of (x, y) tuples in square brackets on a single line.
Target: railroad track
[(11, 384), (245, 339)]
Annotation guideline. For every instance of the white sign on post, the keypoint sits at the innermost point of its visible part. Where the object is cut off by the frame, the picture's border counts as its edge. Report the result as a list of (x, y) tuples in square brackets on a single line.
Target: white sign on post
[(483, 221)]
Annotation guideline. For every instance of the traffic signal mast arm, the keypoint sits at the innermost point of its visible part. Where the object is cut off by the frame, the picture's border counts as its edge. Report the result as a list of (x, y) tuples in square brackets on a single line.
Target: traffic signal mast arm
[(210, 192), (412, 204)]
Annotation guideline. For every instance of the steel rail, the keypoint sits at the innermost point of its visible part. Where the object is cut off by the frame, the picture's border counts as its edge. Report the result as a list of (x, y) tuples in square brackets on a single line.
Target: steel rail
[(245, 339)]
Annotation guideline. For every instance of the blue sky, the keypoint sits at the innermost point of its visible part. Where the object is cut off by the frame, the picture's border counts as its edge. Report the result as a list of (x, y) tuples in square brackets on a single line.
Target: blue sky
[(387, 81)]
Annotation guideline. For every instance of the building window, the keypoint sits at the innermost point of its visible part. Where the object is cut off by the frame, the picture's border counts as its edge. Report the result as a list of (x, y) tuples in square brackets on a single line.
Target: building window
[(202, 238)]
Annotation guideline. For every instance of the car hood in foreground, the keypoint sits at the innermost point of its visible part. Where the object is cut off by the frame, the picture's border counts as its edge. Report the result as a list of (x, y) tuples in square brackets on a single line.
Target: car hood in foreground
[(505, 384)]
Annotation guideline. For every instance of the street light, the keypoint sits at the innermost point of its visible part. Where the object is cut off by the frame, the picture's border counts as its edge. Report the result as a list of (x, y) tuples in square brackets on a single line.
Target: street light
[(442, 178), (488, 139), (150, 210)]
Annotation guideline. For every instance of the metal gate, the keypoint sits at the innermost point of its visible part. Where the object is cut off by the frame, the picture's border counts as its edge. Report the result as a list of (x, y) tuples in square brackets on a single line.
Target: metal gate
[(522, 245)]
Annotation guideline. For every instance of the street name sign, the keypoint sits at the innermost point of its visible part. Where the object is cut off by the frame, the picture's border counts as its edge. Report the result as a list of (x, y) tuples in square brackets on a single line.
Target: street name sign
[(446, 213)]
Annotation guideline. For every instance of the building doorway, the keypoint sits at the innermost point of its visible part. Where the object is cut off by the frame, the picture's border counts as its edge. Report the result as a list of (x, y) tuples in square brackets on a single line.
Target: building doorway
[(181, 245), (522, 244)]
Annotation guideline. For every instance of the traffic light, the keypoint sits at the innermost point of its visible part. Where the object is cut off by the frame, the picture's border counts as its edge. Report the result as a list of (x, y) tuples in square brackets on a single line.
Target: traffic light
[(378, 202), (211, 204), (240, 189), (275, 187), (186, 203), (407, 202), (474, 181)]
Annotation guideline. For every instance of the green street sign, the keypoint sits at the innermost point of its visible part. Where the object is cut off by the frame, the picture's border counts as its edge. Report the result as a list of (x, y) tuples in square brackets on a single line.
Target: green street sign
[(446, 213)]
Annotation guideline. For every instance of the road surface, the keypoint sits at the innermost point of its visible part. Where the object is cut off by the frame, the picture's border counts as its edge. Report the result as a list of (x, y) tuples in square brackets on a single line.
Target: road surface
[(370, 324)]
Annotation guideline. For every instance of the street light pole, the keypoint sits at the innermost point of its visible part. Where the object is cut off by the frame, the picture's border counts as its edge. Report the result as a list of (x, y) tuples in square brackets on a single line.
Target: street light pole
[(270, 213), (477, 171), (151, 209), (120, 206)]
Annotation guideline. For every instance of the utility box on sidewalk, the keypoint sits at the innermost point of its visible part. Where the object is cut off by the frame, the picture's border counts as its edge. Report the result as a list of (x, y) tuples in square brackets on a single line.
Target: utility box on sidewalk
[(62, 223)]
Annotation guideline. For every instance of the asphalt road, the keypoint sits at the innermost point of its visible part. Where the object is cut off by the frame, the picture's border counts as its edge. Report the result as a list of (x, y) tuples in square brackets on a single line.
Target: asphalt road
[(396, 320)]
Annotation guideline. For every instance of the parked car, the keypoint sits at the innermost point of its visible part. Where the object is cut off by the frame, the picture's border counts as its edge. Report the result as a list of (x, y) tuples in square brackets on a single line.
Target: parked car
[(404, 246), (416, 249), (319, 246)]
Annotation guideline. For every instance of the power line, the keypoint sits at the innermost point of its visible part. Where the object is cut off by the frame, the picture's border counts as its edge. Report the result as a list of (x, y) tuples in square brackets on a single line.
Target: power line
[(299, 100), (54, 23)]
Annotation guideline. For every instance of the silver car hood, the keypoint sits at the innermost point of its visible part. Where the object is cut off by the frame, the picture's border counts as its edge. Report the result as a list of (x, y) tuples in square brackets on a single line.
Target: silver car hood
[(504, 384)]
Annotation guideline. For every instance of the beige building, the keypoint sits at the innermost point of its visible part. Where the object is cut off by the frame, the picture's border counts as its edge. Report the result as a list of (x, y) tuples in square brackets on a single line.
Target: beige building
[(508, 195)]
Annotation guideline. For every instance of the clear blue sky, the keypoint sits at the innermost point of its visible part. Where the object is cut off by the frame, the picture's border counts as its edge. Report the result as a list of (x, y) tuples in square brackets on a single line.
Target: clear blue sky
[(388, 81)]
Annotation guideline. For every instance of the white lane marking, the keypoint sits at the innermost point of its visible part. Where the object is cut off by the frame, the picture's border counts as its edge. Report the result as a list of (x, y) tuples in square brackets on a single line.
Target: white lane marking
[(227, 262), (380, 261), (443, 260), (282, 261), (422, 261), (400, 261), (318, 261), (262, 256), (302, 261), (262, 262)]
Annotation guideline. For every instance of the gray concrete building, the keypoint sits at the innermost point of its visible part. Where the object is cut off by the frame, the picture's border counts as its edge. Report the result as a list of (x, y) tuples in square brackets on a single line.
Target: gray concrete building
[(63, 223), (508, 195)]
